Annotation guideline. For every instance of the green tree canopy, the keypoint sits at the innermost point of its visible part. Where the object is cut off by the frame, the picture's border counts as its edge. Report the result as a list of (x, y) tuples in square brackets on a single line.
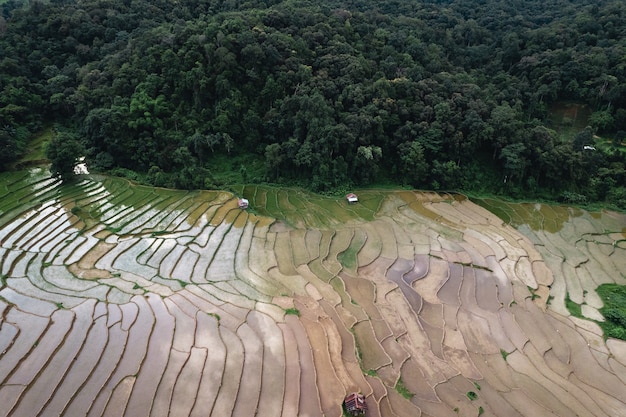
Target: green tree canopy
[(64, 152)]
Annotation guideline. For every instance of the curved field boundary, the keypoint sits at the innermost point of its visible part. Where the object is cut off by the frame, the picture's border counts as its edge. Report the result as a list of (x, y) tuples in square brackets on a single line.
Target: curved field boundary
[(117, 299)]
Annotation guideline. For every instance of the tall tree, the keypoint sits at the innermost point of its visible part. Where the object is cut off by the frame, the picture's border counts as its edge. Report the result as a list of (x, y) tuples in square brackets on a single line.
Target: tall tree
[(64, 152)]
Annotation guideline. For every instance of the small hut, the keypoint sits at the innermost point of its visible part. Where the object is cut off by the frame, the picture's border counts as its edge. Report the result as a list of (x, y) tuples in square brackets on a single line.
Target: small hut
[(352, 198), (243, 203), (355, 404)]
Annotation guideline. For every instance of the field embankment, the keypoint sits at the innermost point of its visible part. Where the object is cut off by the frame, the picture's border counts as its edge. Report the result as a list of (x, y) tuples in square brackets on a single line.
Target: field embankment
[(125, 300)]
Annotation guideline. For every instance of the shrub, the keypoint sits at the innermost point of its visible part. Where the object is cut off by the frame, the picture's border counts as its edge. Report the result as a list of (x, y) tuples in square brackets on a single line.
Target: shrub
[(614, 311), (602, 120), (618, 333), (572, 198)]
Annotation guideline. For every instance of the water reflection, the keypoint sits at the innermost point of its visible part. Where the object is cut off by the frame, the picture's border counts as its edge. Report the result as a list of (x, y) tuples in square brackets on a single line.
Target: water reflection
[(537, 216)]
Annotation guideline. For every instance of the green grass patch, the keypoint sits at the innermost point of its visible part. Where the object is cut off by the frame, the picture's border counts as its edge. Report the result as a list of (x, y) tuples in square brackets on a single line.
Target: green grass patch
[(357, 349), (403, 390), (371, 372), (574, 308), (614, 311), (472, 395), (35, 150), (282, 197), (497, 207), (259, 200), (298, 199), (293, 311), (271, 203), (348, 258), (183, 284), (215, 316), (481, 410), (477, 385), (609, 145), (504, 354), (533, 293), (543, 213)]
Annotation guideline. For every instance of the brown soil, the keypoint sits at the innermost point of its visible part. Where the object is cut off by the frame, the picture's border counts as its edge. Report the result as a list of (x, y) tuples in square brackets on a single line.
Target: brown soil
[(233, 314)]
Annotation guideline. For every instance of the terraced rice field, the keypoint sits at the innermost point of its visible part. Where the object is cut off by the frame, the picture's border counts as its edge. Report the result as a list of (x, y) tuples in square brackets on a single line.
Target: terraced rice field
[(120, 300)]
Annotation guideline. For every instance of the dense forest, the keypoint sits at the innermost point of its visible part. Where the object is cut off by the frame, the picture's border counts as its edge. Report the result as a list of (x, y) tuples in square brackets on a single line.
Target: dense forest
[(435, 94)]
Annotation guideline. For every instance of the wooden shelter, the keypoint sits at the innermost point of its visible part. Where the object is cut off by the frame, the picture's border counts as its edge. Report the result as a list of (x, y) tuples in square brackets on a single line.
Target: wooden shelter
[(243, 203), (352, 198), (355, 404)]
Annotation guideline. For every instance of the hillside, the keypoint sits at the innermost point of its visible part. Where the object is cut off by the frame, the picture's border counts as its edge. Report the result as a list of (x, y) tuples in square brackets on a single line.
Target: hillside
[(125, 300), (434, 94)]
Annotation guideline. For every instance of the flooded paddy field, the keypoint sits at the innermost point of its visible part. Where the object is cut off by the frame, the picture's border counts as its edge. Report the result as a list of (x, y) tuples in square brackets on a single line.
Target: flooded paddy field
[(119, 299)]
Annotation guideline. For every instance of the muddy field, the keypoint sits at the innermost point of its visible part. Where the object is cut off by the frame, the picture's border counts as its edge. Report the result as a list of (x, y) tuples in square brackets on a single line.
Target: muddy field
[(124, 300)]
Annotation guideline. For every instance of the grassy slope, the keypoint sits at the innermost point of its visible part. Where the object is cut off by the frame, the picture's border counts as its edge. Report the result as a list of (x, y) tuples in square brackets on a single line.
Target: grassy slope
[(35, 153)]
